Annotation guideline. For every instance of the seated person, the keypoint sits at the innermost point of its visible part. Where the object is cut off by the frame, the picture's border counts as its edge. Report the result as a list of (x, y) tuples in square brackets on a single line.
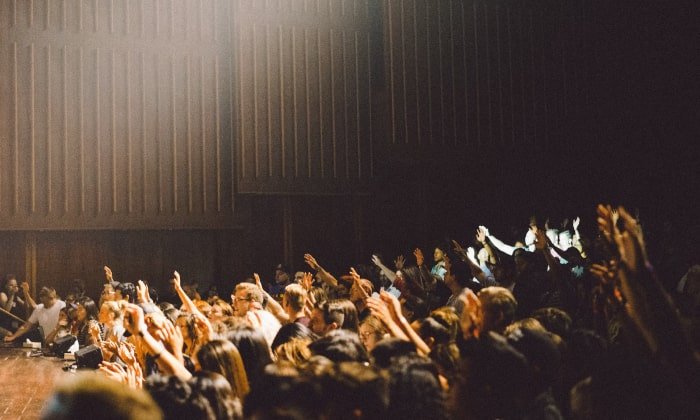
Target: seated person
[(45, 315)]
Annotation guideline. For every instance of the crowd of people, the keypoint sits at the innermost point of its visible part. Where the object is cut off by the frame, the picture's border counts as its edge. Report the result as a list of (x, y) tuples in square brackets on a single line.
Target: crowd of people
[(557, 325)]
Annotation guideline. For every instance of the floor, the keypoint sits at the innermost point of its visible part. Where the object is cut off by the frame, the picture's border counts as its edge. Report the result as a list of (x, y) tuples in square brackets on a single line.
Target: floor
[(26, 382)]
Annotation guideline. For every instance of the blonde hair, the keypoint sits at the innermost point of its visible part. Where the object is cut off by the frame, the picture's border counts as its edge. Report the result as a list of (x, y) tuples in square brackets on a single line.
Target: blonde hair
[(295, 295), (296, 351), (252, 292)]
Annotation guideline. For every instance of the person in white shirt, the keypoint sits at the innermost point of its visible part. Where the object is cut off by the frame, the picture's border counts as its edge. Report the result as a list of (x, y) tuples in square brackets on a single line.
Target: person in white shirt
[(247, 303), (45, 314)]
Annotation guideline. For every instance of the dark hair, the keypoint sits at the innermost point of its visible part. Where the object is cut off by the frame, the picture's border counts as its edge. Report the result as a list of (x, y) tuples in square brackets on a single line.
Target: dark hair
[(414, 389), (217, 390), (354, 386), (177, 399), (128, 290), (431, 328), (342, 312), (290, 331), (254, 351), (554, 320), (6, 280), (285, 394), (90, 307), (493, 378), (340, 346), (389, 348)]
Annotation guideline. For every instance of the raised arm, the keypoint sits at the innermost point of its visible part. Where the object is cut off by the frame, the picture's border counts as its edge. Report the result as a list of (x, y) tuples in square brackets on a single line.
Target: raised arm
[(272, 305), (186, 301), (325, 275), (391, 275), (136, 325), (28, 301), (504, 248)]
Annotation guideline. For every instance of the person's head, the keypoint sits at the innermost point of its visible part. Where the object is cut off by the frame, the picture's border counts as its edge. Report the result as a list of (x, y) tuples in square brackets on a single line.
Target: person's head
[(439, 253), (87, 309), (554, 320), (254, 351), (93, 396), (177, 399), (220, 310), (389, 348), (334, 314), (294, 298), (186, 323), (203, 307), (372, 331), (434, 332), (245, 297), (415, 390), (340, 346), (126, 291), (498, 306), (529, 323), (358, 390), (493, 378), (222, 357), (565, 240), (317, 296), (109, 313), (522, 259), (217, 390), (298, 277), (281, 274), (109, 291), (356, 292), (11, 286), (47, 296), (459, 276), (543, 357), (295, 351), (291, 331)]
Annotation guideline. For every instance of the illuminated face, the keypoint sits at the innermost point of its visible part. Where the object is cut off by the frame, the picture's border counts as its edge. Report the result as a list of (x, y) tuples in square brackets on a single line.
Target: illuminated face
[(241, 304), (11, 287), (81, 313), (438, 255), (368, 337), (483, 255), (318, 324)]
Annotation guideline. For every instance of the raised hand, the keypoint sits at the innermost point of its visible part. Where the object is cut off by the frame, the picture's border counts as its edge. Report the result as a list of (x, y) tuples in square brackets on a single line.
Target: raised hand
[(459, 249), (307, 281), (471, 253), (176, 280), (126, 352), (485, 230), (392, 304), (258, 282), (172, 337), (311, 261), (576, 222), (470, 314), (108, 274), (25, 287), (399, 262), (379, 309), (141, 292), (481, 234), (134, 321), (377, 261), (113, 371), (420, 259), (94, 331)]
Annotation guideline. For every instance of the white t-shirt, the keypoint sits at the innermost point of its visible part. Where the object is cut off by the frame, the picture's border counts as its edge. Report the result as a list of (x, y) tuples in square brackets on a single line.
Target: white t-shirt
[(47, 318), (264, 321)]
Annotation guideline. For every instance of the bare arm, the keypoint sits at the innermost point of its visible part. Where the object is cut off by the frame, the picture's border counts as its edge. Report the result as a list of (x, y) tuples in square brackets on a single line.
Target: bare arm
[(391, 275), (325, 275), (272, 305), (186, 301), (28, 301), (167, 361)]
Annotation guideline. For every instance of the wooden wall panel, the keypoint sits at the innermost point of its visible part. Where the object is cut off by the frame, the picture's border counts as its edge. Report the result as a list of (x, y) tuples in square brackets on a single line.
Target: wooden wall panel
[(485, 74), (304, 95), (117, 114)]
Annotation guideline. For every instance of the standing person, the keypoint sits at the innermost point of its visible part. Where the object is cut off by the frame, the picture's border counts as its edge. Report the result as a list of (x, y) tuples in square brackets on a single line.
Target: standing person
[(45, 315)]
